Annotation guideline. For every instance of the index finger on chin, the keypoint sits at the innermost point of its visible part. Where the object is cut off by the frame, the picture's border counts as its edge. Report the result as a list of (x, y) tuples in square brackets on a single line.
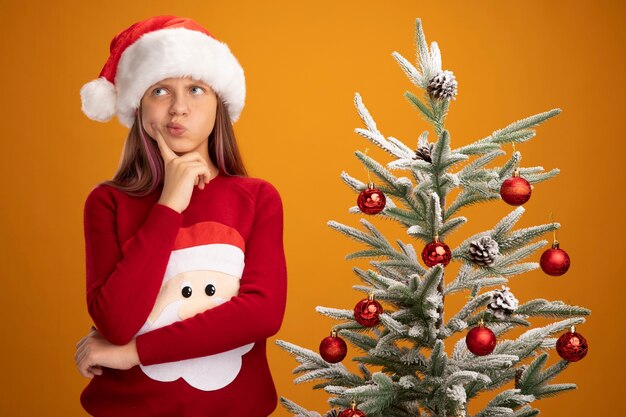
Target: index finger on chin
[(166, 152)]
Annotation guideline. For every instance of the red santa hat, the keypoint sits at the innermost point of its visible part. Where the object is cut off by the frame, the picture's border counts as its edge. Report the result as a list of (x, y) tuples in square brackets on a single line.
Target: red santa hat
[(152, 50), (209, 246)]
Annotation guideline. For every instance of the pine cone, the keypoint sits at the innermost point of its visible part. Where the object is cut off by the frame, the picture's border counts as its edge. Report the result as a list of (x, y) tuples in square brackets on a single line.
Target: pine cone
[(518, 375), (443, 86), (332, 413), (483, 251), (503, 303), (424, 152)]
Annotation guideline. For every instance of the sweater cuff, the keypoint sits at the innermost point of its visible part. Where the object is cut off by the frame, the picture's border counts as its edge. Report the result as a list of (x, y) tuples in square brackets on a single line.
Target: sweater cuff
[(146, 351)]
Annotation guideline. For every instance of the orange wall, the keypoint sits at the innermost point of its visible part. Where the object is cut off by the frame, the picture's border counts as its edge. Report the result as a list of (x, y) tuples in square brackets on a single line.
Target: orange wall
[(303, 63)]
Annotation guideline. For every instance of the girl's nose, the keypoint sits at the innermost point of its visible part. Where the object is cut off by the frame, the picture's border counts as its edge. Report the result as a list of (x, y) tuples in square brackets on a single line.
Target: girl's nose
[(179, 106)]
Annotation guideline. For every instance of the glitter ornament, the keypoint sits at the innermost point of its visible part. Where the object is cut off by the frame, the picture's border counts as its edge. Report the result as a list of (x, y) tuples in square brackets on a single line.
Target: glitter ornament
[(554, 261), (333, 348), (515, 190), (371, 200), (352, 411), (480, 340), (571, 346), (367, 311), (436, 253)]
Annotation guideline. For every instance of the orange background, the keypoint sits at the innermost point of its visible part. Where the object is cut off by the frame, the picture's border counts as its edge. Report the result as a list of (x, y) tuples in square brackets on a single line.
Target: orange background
[(303, 64)]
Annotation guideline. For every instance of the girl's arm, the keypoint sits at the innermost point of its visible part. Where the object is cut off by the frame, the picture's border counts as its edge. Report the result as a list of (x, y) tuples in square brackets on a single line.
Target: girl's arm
[(253, 315), (94, 352), (122, 285)]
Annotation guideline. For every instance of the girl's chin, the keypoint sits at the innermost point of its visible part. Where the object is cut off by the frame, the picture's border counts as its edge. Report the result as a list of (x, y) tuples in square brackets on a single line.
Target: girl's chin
[(179, 147)]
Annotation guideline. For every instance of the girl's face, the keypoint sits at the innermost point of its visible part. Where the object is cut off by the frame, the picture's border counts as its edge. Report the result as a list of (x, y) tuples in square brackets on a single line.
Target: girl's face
[(183, 110)]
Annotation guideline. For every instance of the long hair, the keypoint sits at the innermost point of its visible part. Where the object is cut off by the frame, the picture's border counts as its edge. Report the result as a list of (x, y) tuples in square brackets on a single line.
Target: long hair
[(141, 168)]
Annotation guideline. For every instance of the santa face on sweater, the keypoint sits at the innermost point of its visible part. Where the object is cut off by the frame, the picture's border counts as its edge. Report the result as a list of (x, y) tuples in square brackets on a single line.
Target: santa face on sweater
[(185, 293), (196, 291)]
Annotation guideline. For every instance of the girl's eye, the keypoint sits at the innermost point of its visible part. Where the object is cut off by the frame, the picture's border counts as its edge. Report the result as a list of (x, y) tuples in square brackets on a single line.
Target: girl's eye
[(200, 89), (156, 91), (186, 291), (209, 290)]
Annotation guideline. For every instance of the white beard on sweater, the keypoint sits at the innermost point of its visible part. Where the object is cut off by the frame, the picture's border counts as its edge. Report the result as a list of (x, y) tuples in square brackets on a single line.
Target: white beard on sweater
[(206, 373)]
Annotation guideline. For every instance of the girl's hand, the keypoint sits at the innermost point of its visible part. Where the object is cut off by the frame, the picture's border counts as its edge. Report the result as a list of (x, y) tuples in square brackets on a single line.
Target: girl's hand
[(94, 351), (182, 173)]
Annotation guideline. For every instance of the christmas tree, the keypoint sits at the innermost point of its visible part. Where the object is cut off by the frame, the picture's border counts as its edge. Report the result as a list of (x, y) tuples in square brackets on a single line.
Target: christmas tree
[(404, 369)]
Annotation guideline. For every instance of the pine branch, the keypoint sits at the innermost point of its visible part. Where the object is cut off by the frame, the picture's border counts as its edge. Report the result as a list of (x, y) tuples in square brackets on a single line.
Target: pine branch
[(504, 226), (534, 381), (438, 360), (426, 113), (496, 412), (503, 266), (374, 399), (508, 134), (409, 70), (296, 409), (423, 57), (473, 304), (443, 157), (511, 398), (544, 308), (490, 363), (478, 148), (335, 313), (526, 412), (508, 168), (373, 134)]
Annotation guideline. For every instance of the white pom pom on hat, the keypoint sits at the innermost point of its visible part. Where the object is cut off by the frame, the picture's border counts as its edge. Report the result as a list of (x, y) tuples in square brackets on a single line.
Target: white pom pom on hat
[(98, 99), (152, 50)]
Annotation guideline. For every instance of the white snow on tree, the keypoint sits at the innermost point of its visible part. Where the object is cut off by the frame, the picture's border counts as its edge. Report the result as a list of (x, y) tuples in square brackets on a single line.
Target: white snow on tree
[(414, 375)]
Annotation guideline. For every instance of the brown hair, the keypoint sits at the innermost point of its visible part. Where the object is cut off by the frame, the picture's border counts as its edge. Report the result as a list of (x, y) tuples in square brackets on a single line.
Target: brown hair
[(141, 167)]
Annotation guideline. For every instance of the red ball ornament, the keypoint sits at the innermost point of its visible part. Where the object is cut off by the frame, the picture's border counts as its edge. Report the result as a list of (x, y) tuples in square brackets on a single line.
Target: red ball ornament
[(436, 253), (480, 340), (571, 346), (367, 312), (352, 411), (333, 348), (554, 261), (371, 200), (515, 190)]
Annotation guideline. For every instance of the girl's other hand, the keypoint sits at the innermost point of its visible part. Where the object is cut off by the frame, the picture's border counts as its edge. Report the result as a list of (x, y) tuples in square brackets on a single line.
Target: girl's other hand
[(182, 173), (94, 351)]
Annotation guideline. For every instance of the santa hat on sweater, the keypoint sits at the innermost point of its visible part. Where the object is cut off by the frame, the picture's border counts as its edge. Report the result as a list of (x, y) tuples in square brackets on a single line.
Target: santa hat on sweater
[(209, 246), (152, 50)]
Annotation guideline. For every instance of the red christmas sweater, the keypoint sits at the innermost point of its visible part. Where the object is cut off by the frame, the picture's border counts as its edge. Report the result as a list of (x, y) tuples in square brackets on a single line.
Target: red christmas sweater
[(128, 243)]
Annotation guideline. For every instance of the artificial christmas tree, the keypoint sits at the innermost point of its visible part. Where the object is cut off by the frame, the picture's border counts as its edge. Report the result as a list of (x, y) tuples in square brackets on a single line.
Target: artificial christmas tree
[(415, 375)]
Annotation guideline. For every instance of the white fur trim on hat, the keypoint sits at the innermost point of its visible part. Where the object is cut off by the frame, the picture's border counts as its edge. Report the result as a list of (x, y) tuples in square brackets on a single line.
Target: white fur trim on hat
[(98, 99), (220, 257), (177, 52)]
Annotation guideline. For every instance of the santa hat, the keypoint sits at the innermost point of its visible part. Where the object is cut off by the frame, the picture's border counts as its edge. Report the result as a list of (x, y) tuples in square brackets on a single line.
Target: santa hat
[(209, 246), (152, 50)]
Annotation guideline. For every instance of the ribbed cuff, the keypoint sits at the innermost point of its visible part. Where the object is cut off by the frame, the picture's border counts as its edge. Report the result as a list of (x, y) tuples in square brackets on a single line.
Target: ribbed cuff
[(147, 350)]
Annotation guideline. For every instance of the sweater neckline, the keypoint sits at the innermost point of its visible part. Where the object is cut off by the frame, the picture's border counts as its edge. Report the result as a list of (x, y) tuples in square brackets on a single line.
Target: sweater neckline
[(220, 175), (217, 178)]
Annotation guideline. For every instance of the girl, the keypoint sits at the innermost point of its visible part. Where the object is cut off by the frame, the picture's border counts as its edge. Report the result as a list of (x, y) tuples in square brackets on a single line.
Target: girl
[(185, 265)]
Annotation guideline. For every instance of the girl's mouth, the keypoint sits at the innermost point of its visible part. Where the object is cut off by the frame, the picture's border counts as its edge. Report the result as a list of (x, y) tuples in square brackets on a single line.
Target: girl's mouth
[(176, 131)]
